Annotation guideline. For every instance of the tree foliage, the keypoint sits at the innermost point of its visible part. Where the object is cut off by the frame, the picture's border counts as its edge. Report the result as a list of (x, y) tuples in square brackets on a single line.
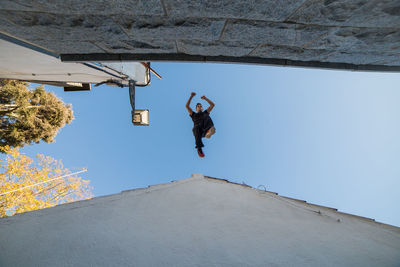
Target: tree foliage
[(28, 116), (21, 171)]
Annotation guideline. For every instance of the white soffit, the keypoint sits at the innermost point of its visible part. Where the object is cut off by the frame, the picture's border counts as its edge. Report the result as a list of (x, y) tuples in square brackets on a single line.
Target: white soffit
[(133, 70), (21, 62)]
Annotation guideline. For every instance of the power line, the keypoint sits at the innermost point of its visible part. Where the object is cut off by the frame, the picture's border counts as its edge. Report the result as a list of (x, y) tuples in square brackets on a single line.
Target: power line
[(66, 175)]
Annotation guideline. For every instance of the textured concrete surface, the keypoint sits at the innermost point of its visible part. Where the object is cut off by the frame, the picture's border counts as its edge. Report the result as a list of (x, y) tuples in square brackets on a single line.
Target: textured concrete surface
[(195, 222), (339, 34)]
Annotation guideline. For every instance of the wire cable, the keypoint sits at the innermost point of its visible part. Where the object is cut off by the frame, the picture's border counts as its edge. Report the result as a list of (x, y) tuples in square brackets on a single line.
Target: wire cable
[(66, 175)]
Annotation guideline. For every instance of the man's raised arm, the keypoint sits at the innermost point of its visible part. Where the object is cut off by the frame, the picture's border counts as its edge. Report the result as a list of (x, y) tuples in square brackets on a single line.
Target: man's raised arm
[(188, 103), (209, 102)]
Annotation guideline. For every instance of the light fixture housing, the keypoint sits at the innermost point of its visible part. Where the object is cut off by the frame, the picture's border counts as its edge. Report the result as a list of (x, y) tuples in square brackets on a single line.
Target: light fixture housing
[(140, 117)]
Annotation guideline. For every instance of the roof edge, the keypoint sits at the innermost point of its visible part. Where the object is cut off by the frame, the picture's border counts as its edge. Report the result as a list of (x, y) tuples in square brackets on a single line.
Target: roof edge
[(309, 204), (195, 176), (181, 57)]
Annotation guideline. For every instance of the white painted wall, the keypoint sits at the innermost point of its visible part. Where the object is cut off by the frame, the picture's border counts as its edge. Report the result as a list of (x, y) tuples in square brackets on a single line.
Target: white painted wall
[(22, 63), (195, 222)]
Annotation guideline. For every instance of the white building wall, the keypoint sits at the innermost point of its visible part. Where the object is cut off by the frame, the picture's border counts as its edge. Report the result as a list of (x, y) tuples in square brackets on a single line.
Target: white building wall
[(195, 222), (22, 61)]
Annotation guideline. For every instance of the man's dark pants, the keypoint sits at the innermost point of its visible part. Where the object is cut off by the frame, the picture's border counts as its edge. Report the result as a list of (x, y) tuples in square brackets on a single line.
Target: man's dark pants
[(200, 130)]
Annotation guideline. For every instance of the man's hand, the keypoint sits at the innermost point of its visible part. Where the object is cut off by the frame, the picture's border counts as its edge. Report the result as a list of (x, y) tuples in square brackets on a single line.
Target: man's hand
[(203, 97), (192, 94)]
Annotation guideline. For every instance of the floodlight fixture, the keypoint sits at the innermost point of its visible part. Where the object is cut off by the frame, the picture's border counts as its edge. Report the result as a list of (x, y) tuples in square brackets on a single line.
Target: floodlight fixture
[(139, 116)]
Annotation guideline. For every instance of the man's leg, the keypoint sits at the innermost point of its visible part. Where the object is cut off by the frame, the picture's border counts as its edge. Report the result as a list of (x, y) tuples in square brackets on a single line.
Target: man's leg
[(197, 132), (210, 132), (209, 128)]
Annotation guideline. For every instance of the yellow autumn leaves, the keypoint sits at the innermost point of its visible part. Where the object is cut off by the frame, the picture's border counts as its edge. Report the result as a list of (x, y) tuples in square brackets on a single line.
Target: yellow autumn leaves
[(19, 171)]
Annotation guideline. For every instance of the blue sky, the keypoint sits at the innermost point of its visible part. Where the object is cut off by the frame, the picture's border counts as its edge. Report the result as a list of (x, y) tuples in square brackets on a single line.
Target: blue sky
[(328, 137)]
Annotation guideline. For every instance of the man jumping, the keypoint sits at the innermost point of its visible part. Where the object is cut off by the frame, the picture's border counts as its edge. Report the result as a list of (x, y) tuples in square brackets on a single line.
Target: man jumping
[(203, 125)]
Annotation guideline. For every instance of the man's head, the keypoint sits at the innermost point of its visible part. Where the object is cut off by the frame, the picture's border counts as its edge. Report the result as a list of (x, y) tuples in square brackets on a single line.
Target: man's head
[(199, 107)]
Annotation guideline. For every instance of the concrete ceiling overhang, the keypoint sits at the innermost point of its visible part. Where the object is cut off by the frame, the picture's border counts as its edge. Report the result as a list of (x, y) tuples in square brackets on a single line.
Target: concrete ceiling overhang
[(336, 34)]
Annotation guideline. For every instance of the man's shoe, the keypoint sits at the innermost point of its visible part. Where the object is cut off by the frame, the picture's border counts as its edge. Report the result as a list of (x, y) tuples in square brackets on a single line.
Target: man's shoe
[(200, 152), (210, 132)]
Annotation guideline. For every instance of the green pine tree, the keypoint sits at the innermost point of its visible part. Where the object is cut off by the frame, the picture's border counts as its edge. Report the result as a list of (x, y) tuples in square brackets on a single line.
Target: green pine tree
[(28, 116)]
